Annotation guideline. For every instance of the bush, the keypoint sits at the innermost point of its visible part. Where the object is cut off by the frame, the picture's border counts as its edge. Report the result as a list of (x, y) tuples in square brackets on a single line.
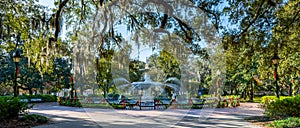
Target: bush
[(11, 107), (291, 122), (229, 101), (65, 101), (94, 95), (44, 97), (118, 106), (266, 100), (48, 98), (34, 118), (287, 107)]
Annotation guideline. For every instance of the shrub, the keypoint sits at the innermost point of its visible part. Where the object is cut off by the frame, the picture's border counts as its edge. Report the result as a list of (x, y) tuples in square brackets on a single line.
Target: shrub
[(220, 105), (94, 95), (44, 97), (65, 101), (291, 122), (266, 100), (11, 107), (229, 101), (284, 107), (48, 98), (34, 118), (117, 106)]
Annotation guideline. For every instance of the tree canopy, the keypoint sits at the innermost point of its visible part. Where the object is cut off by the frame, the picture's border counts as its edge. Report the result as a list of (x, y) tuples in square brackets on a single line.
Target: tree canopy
[(250, 32)]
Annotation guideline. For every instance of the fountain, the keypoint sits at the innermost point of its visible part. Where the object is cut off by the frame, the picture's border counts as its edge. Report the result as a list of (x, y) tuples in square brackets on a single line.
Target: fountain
[(146, 91)]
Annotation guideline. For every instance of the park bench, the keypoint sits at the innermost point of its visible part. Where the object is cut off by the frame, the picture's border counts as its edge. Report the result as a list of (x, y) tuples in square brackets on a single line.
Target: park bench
[(96, 101), (31, 100), (24, 100), (36, 100), (198, 102), (160, 104), (148, 105)]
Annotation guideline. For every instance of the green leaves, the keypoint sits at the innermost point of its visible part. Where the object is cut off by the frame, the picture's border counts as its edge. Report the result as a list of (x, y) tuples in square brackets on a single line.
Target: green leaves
[(168, 64), (135, 74), (62, 72)]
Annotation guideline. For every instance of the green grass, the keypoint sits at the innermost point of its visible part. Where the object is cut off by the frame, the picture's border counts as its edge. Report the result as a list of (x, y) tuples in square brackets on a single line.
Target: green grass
[(256, 99), (97, 105)]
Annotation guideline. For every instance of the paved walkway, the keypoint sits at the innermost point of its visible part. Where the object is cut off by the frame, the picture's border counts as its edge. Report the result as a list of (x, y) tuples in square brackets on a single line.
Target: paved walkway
[(62, 116)]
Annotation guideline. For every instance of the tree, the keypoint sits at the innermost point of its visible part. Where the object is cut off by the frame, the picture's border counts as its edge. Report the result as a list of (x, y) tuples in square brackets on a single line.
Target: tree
[(104, 76), (135, 72), (62, 71), (29, 77), (7, 71), (251, 30)]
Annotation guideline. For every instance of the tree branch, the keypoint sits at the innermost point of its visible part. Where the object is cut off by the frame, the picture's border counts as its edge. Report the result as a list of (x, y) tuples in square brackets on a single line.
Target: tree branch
[(57, 17), (181, 25), (164, 21), (208, 12), (257, 14), (295, 18)]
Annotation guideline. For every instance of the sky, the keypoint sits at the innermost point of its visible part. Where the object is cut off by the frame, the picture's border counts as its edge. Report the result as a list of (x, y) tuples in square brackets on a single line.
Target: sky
[(49, 3)]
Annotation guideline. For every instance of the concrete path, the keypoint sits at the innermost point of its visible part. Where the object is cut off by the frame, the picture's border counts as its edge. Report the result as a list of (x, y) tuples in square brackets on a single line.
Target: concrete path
[(62, 116)]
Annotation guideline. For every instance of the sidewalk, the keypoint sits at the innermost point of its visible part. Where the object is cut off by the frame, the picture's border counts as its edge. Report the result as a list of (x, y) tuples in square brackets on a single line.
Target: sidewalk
[(62, 116)]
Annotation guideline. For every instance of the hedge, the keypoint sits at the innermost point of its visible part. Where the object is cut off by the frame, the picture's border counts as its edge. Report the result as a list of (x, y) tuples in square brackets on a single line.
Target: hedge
[(229, 101), (66, 101), (44, 97), (266, 100), (286, 107), (290, 122), (11, 107)]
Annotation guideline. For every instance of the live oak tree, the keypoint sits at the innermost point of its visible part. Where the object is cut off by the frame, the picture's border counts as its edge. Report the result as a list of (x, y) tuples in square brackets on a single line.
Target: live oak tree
[(250, 30)]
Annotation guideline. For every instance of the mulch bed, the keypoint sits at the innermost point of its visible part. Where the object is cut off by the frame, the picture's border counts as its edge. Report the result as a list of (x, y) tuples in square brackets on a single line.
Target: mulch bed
[(19, 124)]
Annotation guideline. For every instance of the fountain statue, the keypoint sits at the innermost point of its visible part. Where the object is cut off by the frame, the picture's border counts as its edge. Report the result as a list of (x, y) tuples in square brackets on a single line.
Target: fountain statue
[(147, 90)]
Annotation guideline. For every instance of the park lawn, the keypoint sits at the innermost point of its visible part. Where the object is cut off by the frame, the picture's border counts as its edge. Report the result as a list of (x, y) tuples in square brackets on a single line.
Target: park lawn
[(256, 99)]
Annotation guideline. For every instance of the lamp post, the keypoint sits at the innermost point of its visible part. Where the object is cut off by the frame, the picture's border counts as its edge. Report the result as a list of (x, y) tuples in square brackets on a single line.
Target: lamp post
[(73, 92), (16, 59), (275, 60), (218, 93), (71, 81)]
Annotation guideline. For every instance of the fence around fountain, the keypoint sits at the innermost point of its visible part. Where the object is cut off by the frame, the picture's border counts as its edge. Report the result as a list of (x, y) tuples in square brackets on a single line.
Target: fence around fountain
[(160, 105)]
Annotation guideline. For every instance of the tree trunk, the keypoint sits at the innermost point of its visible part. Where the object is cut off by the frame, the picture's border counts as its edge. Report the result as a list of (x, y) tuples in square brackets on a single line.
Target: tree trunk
[(41, 91), (290, 89), (72, 92), (105, 91), (244, 95), (236, 90), (231, 89), (251, 91), (30, 91)]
